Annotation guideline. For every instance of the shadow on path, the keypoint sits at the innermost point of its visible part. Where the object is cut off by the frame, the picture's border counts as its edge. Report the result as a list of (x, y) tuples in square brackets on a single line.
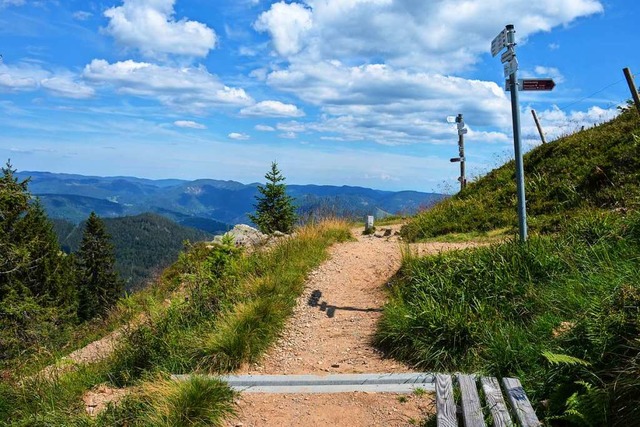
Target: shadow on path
[(314, 301)]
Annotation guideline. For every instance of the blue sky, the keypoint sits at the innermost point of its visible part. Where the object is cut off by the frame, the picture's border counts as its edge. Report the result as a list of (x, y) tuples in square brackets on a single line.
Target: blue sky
[(341, 92)]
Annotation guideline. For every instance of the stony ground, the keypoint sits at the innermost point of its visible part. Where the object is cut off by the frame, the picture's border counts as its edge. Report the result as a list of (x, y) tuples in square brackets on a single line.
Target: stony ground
[(331, 332)]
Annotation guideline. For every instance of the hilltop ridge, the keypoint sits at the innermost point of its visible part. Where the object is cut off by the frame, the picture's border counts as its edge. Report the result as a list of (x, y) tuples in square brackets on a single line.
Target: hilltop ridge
[(72, 197), (598, 168)]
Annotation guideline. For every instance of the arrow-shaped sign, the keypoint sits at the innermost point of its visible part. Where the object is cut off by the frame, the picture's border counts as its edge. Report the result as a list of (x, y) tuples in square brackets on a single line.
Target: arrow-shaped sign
[(533, 84), (499, 43), (538, 84)]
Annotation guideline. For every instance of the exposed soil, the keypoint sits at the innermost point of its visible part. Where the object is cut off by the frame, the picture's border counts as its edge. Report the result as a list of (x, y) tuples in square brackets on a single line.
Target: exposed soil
[(97, 399), (331, 331), (91, 353)]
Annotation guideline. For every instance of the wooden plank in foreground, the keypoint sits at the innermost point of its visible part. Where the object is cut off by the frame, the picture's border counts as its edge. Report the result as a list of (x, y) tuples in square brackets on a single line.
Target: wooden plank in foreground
[(496, 403), (445, 405), (471, 409), (520, 403)]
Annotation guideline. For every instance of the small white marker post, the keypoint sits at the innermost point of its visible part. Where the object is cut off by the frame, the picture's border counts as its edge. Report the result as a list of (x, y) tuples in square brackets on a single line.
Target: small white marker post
[(368, 227), (506, 38)]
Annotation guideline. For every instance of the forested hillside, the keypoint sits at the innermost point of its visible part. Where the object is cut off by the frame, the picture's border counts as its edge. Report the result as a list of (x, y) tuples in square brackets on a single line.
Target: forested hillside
[(44, 292), (144, 244)]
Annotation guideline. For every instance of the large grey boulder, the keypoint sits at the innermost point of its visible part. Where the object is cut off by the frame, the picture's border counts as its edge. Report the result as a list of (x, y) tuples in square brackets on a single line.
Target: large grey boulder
[(244, 235)]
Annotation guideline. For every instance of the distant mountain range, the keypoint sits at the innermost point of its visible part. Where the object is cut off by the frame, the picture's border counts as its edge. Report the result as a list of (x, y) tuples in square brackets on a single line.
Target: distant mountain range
[(209, 205)]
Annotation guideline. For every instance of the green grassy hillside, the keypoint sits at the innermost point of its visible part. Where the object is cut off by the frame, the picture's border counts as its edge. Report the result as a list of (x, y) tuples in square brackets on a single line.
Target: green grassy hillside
[(598, 168), (226, 308), (561, 311)]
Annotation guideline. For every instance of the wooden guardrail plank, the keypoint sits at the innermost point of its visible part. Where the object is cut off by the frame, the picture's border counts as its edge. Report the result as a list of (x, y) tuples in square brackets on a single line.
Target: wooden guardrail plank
[(496, 403), (520, 403), (445, 405), (471, 409)]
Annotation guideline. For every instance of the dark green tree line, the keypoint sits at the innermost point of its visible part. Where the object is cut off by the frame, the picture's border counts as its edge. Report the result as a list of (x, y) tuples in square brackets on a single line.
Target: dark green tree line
[(44, 291)]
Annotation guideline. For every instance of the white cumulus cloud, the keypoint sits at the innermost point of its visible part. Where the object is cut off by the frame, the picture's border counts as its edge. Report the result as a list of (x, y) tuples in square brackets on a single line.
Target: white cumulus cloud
[(288, 25), (384, 70), (30, 77), (265, 128), (150, 27), (388, 105), (191, 88), (439, 36), (189, 124), (272, 109), (550, 72)]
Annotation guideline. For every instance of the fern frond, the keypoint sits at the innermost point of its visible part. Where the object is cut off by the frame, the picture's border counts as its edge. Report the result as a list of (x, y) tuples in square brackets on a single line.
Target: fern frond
[(563, 359)]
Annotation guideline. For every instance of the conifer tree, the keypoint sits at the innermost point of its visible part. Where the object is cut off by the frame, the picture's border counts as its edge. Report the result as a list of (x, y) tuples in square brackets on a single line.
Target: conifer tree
[(49, 276), (275, 210), (99, 286), (14, 202), (30, 256), (37, 293)]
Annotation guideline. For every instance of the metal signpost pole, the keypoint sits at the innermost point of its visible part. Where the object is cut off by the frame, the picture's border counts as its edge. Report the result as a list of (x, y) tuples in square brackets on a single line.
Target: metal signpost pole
[(507, 39), (517, 143), (461, 132), (463, 178)]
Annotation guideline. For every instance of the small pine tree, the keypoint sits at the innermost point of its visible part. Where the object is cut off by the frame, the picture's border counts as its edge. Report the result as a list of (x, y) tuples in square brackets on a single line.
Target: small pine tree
[(99, 286), (275, 210)]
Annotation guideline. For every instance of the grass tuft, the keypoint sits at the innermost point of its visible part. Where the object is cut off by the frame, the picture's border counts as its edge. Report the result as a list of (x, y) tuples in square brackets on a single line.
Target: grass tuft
[(198, 401)]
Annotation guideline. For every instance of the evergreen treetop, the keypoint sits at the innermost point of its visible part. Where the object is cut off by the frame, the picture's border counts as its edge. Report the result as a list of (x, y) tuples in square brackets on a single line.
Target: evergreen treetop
[(275, 210), (98, 284)]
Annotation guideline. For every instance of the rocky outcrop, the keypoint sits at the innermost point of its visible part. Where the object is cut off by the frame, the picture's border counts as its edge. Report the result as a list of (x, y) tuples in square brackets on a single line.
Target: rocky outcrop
[(249, 237)]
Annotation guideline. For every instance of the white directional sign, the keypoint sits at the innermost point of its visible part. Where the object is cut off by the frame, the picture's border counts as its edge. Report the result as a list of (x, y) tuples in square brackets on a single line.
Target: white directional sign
[(511, 67), (499, 43), (507, 56)]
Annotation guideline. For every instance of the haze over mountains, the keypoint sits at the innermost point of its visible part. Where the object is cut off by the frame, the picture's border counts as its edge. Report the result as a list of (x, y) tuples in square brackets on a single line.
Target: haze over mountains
[(206, 204)]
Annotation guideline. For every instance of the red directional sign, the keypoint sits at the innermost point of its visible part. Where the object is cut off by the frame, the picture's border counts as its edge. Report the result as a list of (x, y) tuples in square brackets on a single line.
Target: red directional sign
[(532, 84), (537, 84)]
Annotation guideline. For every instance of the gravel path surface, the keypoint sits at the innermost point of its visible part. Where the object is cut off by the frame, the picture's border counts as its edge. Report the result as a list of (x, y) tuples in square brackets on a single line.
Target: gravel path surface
[(331, 332)]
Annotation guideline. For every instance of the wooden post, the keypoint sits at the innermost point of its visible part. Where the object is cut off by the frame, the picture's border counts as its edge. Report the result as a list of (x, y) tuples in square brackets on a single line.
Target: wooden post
[(632, 87), (535, 119)]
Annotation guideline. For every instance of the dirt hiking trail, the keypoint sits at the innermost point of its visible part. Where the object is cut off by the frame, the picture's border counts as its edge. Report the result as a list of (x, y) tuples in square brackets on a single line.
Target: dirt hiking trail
[(331, 331)]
